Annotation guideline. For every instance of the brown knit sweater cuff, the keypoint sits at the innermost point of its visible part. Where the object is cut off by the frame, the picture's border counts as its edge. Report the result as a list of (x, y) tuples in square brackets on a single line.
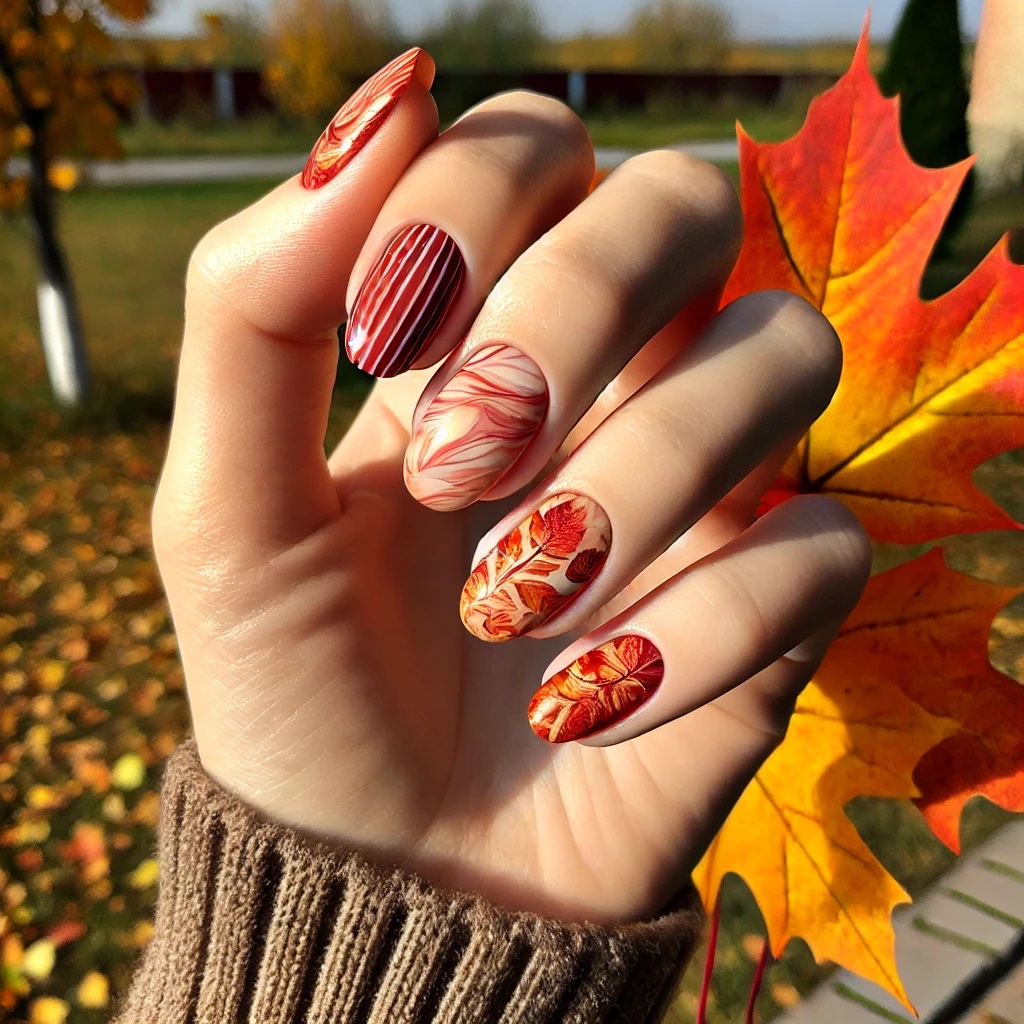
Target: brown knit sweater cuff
[(256, 922)]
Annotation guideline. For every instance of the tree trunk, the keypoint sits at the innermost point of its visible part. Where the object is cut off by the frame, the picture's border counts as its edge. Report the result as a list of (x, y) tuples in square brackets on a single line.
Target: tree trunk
[(59, 324)]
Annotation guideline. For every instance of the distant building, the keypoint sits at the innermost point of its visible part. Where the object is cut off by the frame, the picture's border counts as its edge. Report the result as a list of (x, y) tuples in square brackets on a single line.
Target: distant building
[(996, 112)]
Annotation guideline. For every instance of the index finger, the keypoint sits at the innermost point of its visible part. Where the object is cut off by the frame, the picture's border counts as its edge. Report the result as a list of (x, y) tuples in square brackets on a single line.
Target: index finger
[(265, 294)]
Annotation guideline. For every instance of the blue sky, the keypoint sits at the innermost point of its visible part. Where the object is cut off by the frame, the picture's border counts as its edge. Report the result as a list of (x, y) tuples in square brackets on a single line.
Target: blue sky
[(754, 19)]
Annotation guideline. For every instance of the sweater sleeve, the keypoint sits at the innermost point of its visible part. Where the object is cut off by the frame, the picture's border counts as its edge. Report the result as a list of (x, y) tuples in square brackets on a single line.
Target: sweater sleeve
[(258, 922)]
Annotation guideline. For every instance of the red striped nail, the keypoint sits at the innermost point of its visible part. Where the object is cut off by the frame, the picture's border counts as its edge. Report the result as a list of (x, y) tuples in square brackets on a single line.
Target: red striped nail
[(403, 300), (363, 113)]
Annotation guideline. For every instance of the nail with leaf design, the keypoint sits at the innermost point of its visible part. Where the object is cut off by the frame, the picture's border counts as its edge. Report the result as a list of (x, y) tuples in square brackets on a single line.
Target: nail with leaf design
[(537, 568), (599, 689)]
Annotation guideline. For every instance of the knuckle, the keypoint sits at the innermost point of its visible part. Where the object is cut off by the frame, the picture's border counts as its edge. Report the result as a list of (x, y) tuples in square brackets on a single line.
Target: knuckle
[(806, 340), (551, 136), (697, 207), (191, 541), (683, 435), (842, 542), (552, 113), (209, 264), (583, 268), (730, 599), (692, 185)]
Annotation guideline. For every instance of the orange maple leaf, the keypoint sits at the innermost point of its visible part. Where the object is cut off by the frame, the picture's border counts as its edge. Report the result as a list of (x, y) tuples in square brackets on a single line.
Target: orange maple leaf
[(842, 216), (906, 705), (789, 836), (926, 628)]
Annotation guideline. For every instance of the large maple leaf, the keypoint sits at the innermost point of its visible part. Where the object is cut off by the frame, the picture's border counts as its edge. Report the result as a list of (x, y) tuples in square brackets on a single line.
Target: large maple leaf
[(907, 678), (842, 216), (907, 703)]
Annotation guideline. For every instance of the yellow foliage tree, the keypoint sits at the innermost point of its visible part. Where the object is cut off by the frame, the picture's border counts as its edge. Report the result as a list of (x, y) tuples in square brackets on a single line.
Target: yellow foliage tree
[(317, 49), (57, 100), (231, 37), (681, 33)]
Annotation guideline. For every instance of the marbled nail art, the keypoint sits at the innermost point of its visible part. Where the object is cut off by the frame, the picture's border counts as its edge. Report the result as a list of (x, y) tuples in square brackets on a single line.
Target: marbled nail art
[(599, 689), (537, 568), (476, 427), (403, 300), (363, 113)]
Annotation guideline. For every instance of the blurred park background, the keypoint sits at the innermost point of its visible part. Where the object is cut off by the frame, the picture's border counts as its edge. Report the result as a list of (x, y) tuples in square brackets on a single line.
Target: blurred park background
[(91, 693)]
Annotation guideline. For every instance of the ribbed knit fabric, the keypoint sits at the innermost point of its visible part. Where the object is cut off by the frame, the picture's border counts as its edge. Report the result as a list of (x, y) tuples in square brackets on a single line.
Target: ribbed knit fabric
[(258, 924)]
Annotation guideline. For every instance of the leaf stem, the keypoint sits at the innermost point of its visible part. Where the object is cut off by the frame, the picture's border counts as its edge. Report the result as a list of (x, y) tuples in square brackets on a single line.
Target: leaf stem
[(709, 965), (755, 988)]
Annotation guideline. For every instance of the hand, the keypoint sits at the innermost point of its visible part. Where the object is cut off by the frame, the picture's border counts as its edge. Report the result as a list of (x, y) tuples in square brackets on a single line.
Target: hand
[(317, 603)]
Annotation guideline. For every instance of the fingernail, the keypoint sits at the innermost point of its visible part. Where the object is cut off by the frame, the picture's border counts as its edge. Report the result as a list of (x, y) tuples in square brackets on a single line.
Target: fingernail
[(363, 113), (537, 568), (475, 427), (403, 300), (598, 690)]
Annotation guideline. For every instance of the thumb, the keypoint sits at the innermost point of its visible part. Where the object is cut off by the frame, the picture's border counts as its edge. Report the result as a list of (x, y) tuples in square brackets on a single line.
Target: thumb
[(264, 297)]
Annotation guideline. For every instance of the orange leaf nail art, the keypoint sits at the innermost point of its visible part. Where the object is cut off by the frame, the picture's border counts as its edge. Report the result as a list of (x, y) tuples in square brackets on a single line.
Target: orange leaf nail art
[(597, 690), (537, 568)]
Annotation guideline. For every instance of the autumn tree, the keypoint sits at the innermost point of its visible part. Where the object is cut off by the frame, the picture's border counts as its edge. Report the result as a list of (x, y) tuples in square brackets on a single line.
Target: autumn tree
[(56, 100), (488, 35), (680, 33), (232, 36), (318, 49)]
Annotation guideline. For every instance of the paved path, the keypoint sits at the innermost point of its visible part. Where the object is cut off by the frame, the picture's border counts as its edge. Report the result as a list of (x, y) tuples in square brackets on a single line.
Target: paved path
[(172, 170), (966, 935)]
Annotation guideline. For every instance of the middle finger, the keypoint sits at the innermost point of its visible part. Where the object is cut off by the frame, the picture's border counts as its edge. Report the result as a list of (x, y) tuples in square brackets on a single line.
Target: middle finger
[(570, 313)]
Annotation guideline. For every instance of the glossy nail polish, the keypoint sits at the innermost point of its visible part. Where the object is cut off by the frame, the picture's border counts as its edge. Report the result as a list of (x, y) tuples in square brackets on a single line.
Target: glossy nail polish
[(537, 568), (363, 113), (599, 689), (475, 427), (403, 300)]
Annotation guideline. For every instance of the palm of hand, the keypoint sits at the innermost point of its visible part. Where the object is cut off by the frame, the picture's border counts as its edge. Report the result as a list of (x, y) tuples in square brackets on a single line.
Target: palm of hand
[(342, 695)]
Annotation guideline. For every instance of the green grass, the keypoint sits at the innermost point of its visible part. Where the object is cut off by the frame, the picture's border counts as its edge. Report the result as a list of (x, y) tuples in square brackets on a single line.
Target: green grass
[(268, 135), (264, 135), (631, 131), (129, 248)]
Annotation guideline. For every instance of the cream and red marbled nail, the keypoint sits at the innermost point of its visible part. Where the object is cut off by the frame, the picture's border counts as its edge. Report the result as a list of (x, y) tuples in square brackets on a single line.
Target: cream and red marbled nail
[(537, 568), (363, 113), (403, 300), (475, 427), (598, 690)]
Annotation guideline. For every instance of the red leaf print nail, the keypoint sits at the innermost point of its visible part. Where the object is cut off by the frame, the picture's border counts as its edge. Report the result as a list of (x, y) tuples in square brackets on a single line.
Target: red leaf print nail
[(598, 690), (537, 568), (537, 532), (585, 565), (509, 549), (564, 527), (537, 596)]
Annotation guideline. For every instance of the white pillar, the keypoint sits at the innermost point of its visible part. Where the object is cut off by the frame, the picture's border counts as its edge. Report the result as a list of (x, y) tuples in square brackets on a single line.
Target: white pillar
[(996, 111)]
